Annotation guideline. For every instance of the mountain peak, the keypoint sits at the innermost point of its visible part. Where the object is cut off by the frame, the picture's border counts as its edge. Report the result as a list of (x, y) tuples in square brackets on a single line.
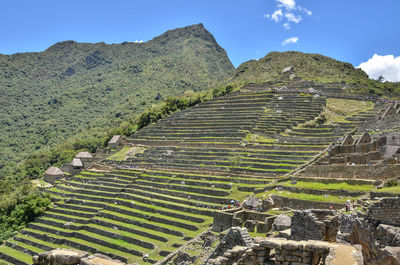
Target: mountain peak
[(196, 31), (61, 45)]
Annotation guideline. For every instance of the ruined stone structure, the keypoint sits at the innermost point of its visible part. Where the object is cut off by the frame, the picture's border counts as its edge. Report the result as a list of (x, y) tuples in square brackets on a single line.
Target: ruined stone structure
[(362, 151), (288, 252), (85, 157), (386, 211), (236, 236), (252, 220), (389, 112), (364, 158), (115, 141), (146, 207), (52, 174), (314, 225)]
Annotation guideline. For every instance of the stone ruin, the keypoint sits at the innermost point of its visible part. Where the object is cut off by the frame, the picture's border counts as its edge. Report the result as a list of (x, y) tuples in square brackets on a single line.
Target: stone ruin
[(388, 113), (289, 74), (384, 149), (81, 161), (73, 257), (314, 225), (252, 220), (378, 232), (281, 251), (366, 158), (361, 151), (370, 237)]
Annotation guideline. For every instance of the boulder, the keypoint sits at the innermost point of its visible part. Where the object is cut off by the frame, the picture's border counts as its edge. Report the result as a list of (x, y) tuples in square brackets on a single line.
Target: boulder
[(99, 259), (268, 204), (282, 222), (374, 250), (60, 256)]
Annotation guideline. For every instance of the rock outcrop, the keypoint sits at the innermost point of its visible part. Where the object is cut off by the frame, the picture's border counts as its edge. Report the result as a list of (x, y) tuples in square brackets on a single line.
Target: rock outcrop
[(73, 257)]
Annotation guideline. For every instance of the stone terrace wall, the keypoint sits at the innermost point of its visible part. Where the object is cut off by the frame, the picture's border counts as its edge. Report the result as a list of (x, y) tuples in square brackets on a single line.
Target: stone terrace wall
[(386, 211), (314, 225), (297, 204), (373, 172), (287, 252)]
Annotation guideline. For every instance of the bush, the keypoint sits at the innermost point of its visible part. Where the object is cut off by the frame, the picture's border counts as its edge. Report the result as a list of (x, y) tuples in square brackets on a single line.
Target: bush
[(391, 183), (19, 207)]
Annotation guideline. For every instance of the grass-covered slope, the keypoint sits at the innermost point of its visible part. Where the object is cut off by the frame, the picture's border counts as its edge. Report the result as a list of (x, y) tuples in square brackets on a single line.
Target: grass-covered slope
[(74, 88), (173, 175), (313, 67)]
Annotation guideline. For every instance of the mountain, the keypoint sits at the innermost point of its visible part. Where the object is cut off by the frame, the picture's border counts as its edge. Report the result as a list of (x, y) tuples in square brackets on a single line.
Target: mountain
[(313, 67), (71, 88), (308, 66)]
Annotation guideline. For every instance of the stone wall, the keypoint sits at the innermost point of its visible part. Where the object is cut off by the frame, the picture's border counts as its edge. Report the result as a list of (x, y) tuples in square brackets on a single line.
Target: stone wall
[(314, 225), (356, 158), (252, 220), (222, 221), (288, 252), (359, 148), (386, 211), (331, 180), (236, 236), (297, 204), (372, 172)]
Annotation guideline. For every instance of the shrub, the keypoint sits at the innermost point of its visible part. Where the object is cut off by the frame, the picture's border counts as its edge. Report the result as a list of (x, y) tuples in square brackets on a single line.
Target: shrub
[(391, 183)]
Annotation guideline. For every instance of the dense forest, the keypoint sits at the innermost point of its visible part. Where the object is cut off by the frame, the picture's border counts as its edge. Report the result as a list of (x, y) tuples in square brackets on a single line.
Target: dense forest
[(80, 90)]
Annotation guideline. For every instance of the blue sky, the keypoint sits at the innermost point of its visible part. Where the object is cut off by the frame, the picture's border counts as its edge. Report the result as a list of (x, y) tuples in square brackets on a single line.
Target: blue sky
[(347, 30)]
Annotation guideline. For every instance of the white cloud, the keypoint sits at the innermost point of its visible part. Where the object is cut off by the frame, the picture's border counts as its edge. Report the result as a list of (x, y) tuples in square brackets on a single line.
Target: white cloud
[(277, 15), (289, 4), (290, 40), (293, 18), (286, 26), (138, 41), (387, 66), (305, 10), (287, 12)]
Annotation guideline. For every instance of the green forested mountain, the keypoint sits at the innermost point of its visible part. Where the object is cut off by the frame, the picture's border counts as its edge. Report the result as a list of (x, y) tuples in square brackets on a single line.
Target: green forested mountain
[(313, 67), (82, 88)]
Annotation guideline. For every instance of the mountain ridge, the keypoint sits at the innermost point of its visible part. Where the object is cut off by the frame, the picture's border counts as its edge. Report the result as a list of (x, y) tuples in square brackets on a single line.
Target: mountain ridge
[(72, 87)]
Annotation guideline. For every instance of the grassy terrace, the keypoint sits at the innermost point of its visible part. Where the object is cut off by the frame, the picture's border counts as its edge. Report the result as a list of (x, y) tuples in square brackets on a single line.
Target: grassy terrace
[(331, 186), (307, 197), (17, 255), (107, 208), (239, 143), (394, 189)]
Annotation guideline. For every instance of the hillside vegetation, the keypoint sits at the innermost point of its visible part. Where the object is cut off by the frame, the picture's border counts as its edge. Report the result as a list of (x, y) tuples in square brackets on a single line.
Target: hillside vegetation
[(314, 67), (82, 89)]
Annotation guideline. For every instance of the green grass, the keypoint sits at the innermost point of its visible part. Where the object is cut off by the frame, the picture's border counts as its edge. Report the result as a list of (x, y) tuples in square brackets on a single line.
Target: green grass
[(124, 152), (330, 186), (236, 194), (26, 246), (393, 189), (255, 234), (337, 110), (16, 254), (251, 137), (306, 197), (130, 257), (46, 243), (206, 177)]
